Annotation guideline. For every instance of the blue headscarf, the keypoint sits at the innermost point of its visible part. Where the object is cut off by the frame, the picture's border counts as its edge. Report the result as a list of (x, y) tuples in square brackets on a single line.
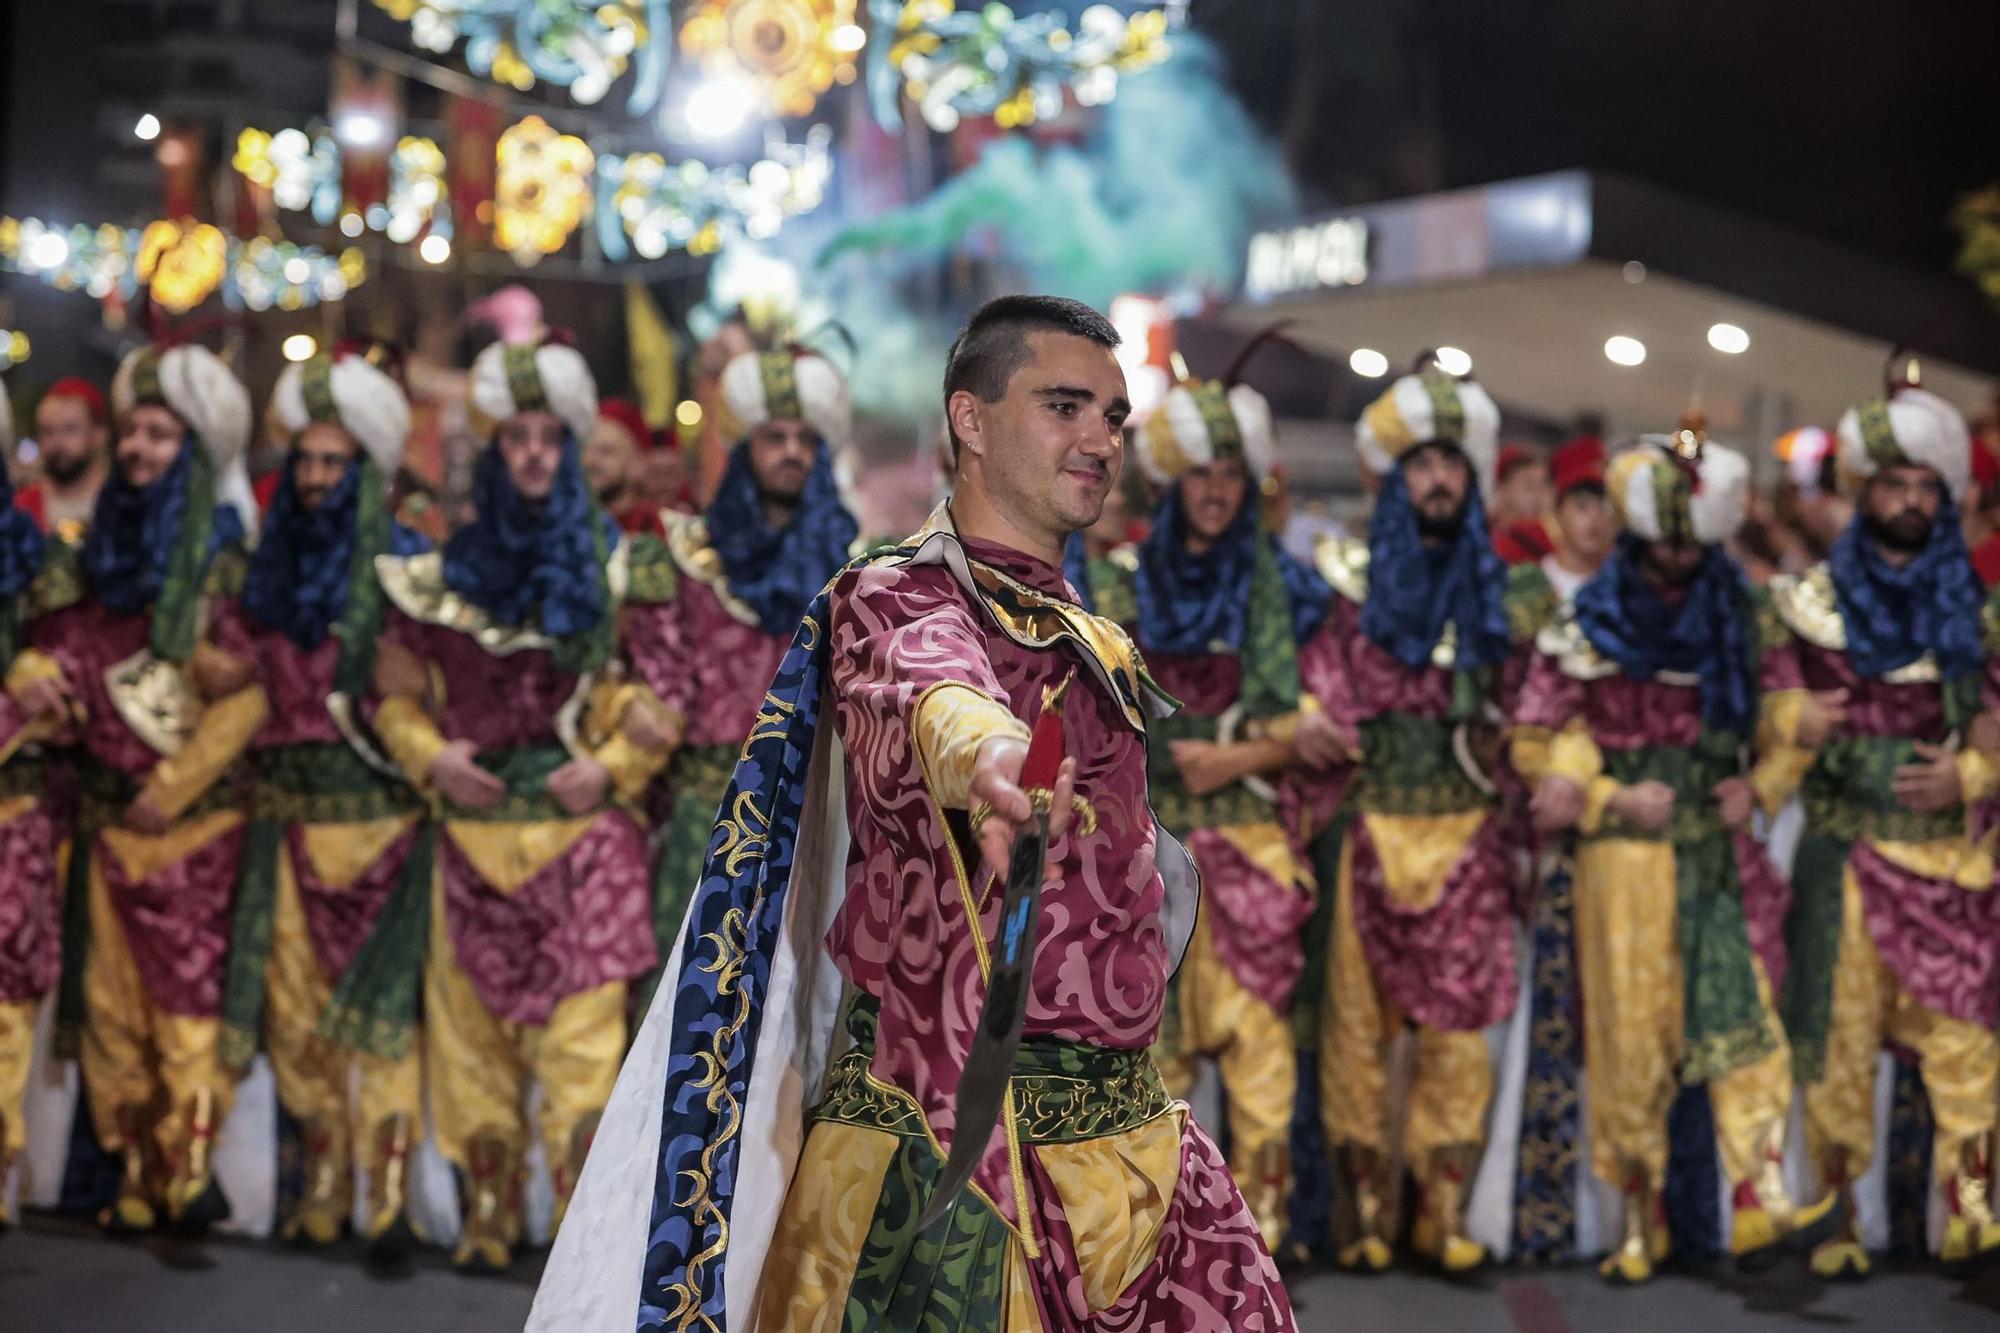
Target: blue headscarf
[(298, 577), (520, 561), (1708, 635), (1191, 603), (134, 531), (1414, 590), (21, 543), (776, 572), (1895, 616)]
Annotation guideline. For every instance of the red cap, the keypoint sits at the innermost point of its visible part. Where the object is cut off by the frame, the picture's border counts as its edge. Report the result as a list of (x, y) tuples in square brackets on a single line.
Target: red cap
[(84, 392), (1985, 464), (1514, 456), (1579, 462), (626, 413)]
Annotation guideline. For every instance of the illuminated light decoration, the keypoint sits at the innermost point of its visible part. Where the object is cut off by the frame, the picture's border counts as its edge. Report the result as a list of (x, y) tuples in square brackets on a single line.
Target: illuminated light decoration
[(416, 190), (648, 206), (791, 50), (987, 60), (1729, 339), (147, 129), (182, 263), (299, 347), (302, 173), (1453, 361), (1976, 219), (177, 260), (541, 189), (1622, 350), (14, 348), (580, 46), (1368, 363)]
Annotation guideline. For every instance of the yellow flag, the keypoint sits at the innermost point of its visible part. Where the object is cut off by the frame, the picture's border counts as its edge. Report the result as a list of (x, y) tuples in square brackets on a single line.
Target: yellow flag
[(651, 345)]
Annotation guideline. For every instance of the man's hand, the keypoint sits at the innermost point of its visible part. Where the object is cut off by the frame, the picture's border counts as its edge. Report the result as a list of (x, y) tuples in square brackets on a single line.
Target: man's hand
[(996, 797), (1646, 806), (1825, 713), (1556, 804), (464, 783), (1321, 742), (1931, 785), (47, 698), (1984, 734), (1204, 766), (579, 785), (144, 816), (1737, 800), (652, 728)]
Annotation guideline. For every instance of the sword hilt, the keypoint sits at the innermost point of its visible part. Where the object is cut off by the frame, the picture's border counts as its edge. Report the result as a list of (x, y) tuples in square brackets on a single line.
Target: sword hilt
[(1047, 745)]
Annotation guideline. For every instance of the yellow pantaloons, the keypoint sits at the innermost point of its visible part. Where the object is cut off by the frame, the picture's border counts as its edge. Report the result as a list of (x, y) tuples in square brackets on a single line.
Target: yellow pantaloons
[(1629, 957), (343, 1098), (136, 1054), (481, 1066), (1115, 1191), (1251, 1043), (17, 1052), (1960, 1061), (1453, 1084)]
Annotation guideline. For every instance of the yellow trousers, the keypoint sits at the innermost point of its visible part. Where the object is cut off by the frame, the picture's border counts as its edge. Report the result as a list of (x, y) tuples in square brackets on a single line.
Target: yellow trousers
[(1960, 1061), (314, 1074), (1453, 1083), (1251, 1044), (1629, 956), (1115, 1193), (481, 1067), (17, 1052), (136, 1056)]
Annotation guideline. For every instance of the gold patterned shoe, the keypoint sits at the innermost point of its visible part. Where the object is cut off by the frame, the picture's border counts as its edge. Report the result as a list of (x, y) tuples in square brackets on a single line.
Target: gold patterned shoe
[(391, 1236), (1971, 1233), (1369, 1218), (1766, 1224), (131, 1211), (327, 1200), (492, 1170), (1266, 1186), (195, 1202), (1440, 1229), (1365, 1257), (1643, 1243)]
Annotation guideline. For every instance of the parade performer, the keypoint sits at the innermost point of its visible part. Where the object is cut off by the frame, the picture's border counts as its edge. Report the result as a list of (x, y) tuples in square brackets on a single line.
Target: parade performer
[(1224, 616), (1422, 925), (775, 532), (1895, 924), (502, 701), (614, 457), (73, 434), (1092, 1201), (328, 937), (30, 889), (159, 824), (1634, 722)]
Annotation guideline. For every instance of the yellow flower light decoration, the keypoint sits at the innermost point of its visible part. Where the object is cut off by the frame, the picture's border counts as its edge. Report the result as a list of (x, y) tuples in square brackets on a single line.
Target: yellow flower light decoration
[(541, 189), (794, 50), (182, 263)]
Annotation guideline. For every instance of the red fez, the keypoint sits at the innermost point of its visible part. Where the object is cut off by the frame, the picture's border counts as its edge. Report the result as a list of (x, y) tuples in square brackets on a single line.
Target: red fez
[(626, 413), (84, 392), (1513, 457), (1579, 462)]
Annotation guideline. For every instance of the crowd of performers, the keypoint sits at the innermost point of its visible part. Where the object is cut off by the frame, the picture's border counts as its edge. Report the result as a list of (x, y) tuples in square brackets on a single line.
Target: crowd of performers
[(1492, 959)]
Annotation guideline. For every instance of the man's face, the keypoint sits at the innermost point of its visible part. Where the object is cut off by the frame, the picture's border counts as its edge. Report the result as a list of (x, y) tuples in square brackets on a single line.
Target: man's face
[(1587, 522), (69, 440), (1050, 448), (1525, 495), (662, 476), (610, 460), (1439, 479), (148, 444), (531, 445), (782, 453), (1211, 497), (320, 459), (1671, 564), (1899, 506)]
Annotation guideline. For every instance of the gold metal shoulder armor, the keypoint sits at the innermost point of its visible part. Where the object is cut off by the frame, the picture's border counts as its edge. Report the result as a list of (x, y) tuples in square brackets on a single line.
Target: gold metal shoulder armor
[(1343, 563), (1806, 604)]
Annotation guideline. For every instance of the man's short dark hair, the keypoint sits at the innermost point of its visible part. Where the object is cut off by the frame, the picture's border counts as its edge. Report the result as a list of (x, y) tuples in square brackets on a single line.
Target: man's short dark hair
[(994, 343)]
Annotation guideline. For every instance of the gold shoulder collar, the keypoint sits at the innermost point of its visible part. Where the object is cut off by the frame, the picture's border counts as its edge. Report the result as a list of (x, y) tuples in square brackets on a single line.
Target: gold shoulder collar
[(687, 540), (153, 697), (1126, 557), (1805, 604), (415, 584), (1575, 656), (1343, 563)]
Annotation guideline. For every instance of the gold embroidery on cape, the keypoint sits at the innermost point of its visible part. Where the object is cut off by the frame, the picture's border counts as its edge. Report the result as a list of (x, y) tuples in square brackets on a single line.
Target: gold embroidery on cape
[(1343, 563), (415, 583), (154, 699), (1805, 602), (687, 540)]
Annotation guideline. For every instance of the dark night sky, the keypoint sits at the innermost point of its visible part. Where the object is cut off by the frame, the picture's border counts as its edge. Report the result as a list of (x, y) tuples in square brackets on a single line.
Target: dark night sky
[(1860, 121)]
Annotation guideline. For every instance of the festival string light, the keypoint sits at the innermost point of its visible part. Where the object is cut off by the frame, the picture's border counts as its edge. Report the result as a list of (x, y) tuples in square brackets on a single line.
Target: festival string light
[(791, 51), (580, 46), (541, 190), (646, 205), (181, 263)]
